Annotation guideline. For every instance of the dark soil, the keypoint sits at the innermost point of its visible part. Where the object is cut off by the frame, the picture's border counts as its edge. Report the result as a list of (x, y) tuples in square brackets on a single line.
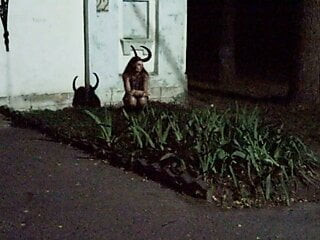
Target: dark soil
[(73, 126)]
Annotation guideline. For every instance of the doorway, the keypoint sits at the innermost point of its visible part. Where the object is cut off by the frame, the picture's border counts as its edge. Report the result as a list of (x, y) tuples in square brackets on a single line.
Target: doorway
[(266, 45), (203, 40)]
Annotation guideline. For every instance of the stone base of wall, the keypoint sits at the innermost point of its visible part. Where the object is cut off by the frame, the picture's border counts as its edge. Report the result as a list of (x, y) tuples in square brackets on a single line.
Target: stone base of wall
[(34, 101), (62, 100), (164, 94)]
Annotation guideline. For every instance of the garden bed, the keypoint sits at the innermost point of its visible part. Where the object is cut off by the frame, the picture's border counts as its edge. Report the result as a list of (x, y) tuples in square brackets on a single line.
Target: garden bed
[(232, 157)]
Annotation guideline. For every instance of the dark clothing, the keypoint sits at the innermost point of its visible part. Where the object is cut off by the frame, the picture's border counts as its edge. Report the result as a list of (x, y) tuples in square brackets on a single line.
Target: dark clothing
[(136, 84), (136, 81)]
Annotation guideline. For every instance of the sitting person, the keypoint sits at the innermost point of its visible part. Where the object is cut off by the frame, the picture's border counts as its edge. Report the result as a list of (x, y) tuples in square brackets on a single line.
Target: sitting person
[(135, 80)]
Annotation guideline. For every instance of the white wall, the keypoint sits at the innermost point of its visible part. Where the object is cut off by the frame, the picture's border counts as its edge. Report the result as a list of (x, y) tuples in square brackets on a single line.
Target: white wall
[(46, 47), (169, 47), (172, 41), (47, 51), (104, 45)]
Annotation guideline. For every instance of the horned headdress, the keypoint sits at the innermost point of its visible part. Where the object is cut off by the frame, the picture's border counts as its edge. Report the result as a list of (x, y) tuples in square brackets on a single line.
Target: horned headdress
[(146, 59)]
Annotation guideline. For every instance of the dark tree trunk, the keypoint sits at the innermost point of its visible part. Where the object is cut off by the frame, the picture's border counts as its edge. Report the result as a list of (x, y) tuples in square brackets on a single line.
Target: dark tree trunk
[(227, 46), (306, 87)]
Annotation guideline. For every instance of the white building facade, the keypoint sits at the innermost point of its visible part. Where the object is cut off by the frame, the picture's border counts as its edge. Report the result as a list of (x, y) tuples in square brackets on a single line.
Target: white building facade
[(51, 41)]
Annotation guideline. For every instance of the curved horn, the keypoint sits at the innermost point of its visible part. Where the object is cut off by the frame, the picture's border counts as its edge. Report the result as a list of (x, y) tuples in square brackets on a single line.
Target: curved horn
[(95, 86), (146, 59), (134, 50), (74, 83)]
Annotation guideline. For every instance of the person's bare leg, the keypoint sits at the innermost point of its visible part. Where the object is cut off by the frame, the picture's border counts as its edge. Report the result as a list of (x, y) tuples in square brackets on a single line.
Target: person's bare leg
[(130, 102), (143, 101)]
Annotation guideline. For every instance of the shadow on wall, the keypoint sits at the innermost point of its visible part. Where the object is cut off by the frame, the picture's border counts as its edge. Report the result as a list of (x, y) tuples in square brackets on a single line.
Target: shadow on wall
[(85, 97), (161, 44)]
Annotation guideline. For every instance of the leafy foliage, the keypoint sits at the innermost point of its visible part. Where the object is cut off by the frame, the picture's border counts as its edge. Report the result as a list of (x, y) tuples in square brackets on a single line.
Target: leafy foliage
[(104, 125), (234, 146)]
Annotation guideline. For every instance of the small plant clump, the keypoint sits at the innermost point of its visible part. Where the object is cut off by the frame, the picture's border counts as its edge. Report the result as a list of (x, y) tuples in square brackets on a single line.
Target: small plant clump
[(234, 151)]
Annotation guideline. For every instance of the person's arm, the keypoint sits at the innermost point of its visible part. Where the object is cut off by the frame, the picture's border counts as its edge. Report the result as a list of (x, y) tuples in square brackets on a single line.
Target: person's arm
[(127, 87), (138, 93), (145, 86), (144, 92)]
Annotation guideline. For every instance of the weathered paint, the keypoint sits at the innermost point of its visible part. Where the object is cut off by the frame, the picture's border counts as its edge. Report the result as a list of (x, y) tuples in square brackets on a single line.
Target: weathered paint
[(47, 51), (168, 36), (46, 48)]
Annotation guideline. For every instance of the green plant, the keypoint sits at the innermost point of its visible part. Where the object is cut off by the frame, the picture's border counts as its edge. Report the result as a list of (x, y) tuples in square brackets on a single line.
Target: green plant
[(161, 130), (104, 125), (239, 145), (174, 123), (235, 148), (207, 130), (137, 126)]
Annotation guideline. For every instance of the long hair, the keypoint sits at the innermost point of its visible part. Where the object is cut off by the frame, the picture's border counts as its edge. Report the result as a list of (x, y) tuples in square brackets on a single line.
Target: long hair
[(130, 68)]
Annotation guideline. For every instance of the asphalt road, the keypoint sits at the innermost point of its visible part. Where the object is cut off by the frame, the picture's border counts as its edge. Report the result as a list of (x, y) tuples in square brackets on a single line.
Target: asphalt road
[(53, 191)]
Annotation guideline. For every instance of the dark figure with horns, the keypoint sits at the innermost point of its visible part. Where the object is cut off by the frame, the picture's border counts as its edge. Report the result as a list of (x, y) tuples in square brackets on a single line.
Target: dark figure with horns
[(135, 80), (85, 97)]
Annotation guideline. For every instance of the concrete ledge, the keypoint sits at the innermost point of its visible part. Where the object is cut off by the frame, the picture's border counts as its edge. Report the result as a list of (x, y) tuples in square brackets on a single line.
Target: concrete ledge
[(62, 100), (20, 102), (42, 101), (155, 93), (4, 101), (51, 101), (169, 94), (116, 96)]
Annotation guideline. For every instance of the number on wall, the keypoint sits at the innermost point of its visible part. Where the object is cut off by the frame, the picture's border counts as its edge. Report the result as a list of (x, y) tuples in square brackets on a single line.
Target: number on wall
[(102, 5)]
